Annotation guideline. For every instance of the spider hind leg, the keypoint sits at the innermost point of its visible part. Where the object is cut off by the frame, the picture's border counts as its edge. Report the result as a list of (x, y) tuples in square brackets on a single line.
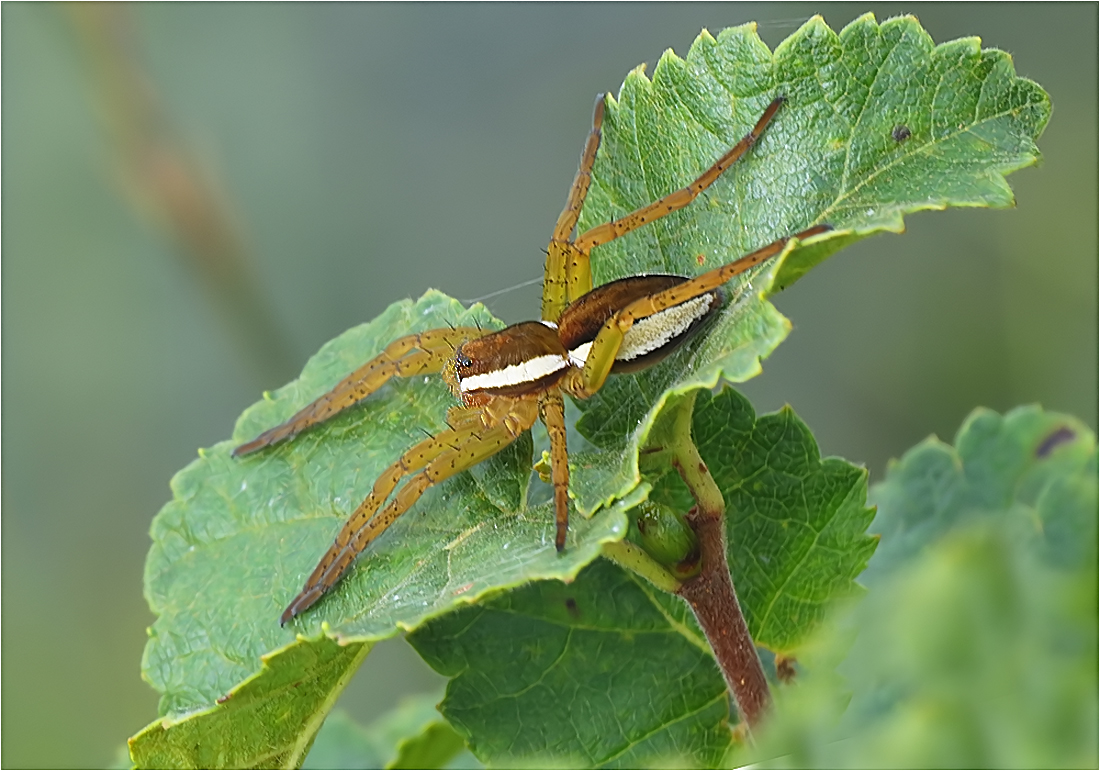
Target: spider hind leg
[(435, 460)]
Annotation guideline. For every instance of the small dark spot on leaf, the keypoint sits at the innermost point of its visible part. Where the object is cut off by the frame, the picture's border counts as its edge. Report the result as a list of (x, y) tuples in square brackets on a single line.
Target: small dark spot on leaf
[(571, 606), (1062, 435), (642, 525), (296, 684), (224, 699), (901, 132), (700, 259), (784, 668)]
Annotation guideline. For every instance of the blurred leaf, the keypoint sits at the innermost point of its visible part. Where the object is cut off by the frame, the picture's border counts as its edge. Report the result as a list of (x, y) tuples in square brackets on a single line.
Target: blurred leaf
[(239, 536), (608, 671), (1023, 469), (436, 746), (977, 649), (268, 721), (343, 743), (413, 735)]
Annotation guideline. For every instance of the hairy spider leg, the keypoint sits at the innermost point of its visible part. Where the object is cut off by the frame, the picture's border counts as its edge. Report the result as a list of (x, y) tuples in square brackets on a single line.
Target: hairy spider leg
[(553, 415), (609, 231), (601, 356), (407, 356), (441, 457), (414, 459), (567, 274)]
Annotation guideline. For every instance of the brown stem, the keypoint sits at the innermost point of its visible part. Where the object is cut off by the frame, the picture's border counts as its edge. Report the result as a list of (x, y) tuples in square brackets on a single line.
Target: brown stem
[(711, 594), (714, 602)]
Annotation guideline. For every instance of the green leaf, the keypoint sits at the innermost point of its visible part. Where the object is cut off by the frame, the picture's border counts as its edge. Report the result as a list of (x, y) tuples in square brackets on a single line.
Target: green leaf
[(829, 156), (238, 539), (795, 523), (436, 746), (976, 645), (608, 671), (268, 721), (605, 671), (240, 535)]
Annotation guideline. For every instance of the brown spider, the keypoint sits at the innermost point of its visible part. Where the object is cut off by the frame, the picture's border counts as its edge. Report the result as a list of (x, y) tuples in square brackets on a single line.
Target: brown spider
[(507, 380)]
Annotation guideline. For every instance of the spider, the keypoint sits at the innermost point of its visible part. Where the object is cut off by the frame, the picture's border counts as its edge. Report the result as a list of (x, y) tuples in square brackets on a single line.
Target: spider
[(507, 380)]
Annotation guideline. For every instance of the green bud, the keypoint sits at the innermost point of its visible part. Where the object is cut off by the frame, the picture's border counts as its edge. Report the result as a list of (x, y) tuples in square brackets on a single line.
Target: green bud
[(666, 537)]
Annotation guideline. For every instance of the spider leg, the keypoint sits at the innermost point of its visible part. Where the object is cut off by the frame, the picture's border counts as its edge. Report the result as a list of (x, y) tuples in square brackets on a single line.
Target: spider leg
[(567, 274), (601, 356), (405, 357), (439, 458), (567, 220), (609, 231), (553, 415)]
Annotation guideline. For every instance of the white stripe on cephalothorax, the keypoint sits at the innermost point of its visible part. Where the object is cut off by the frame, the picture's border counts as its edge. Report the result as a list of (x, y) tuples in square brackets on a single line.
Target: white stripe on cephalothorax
[(653, 332), (515, 374)]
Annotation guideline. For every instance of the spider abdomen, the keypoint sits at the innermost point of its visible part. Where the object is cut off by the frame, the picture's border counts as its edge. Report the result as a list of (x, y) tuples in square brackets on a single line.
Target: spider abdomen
[(651, 338)]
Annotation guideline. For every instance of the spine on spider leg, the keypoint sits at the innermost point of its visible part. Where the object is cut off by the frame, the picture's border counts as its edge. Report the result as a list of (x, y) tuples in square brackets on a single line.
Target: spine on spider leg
[(674, 201), (577, 191), (356, 386), (354, 537), (708, 281)]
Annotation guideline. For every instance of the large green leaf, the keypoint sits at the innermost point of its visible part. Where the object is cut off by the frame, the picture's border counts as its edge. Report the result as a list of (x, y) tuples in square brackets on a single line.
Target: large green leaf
[(830, 156), (609, 671), (238, 539), (239, 536), (976, 645)]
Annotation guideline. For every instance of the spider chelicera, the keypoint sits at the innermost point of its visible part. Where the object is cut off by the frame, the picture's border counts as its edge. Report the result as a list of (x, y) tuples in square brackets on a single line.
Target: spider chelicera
[(507, 380)]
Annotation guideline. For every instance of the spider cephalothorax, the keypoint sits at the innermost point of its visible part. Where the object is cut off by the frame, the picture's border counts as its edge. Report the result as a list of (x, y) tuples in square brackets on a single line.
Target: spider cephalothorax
[(506, 380)]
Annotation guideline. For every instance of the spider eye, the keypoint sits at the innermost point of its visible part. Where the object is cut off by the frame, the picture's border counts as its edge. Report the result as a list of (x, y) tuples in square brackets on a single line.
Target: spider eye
[(463, 360)]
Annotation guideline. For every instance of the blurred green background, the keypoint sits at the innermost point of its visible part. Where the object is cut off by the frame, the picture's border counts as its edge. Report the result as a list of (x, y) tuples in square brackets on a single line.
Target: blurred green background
[(196, 197)]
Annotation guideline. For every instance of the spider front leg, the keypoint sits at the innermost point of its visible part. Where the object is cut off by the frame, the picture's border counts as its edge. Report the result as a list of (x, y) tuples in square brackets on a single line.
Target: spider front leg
[(568, 274), (609, 231), (568, 263), (439, 458), (641, 329), (405, 357)]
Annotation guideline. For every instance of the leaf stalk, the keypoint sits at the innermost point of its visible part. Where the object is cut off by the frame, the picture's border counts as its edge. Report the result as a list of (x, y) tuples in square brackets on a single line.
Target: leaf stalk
[(711, 594)]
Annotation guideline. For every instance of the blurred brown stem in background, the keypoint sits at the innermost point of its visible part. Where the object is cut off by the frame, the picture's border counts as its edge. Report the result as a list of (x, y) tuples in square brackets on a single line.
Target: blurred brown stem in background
[(165, 184)]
